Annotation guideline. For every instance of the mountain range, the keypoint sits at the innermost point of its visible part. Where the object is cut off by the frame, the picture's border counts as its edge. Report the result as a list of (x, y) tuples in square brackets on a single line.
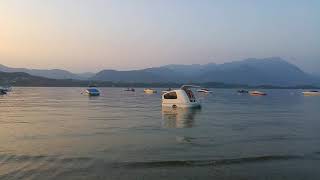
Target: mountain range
[(267, 71), (52, 73)]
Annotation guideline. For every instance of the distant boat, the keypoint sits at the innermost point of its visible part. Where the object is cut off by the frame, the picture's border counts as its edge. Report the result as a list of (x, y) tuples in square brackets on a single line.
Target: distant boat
[(6, 88), (204, 90), (180, 98), (257, 93), (242, 91), (311, 93), (130, 89), (92, 91), (3, 92), (149, 91)]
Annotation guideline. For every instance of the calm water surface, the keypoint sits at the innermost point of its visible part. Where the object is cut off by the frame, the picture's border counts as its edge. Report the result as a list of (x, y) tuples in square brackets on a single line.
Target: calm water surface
[(58, 133)]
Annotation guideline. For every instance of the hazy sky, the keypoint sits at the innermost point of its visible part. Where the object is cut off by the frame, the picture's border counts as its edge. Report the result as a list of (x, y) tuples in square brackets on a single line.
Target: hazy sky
[(90, 35)]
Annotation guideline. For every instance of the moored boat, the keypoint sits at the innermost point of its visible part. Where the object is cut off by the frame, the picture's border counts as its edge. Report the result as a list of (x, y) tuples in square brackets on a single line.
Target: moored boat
[(242, 91), (6, 88), (204, 90), (149, 91), (3, 92), (92, 91), (183, 97), (311, 93), (257, 93), (130, 89)]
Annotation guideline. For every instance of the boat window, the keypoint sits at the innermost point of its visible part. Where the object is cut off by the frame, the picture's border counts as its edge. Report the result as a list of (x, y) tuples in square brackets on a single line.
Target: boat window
[(171, 95), (190, 95)]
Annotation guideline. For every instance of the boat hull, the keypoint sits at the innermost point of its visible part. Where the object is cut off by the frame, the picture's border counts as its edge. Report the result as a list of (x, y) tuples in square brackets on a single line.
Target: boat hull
[(200, 91), (150, 91), (182, 105), (311, 93), (92, 93), (257, 93)]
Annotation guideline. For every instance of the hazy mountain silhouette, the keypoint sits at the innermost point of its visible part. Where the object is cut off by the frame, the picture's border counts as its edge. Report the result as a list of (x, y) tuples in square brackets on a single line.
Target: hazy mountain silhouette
[(126, 76), (52, 73), (273, 71), (25, 79), (267, 71)]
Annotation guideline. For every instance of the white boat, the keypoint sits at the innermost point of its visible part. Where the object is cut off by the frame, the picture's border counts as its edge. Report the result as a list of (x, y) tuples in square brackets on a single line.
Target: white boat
[(149, 91), (204, 90), (183, 97), (311, 93), (92, 91), (257, 93)]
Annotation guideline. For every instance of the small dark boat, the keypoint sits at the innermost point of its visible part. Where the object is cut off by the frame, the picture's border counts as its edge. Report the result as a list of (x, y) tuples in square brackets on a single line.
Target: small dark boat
[(5, 89), (130, 89), (242, 91), (3, 92)]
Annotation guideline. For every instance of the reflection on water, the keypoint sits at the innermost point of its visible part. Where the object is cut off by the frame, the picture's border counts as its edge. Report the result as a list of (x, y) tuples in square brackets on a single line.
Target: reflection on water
[(179, 117)]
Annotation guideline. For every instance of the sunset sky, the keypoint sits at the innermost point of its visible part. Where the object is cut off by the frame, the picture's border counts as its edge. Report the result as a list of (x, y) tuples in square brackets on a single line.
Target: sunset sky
[(91, 35)]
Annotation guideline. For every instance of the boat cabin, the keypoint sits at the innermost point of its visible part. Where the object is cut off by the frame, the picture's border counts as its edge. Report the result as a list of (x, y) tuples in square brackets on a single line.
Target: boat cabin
[(183, 97)]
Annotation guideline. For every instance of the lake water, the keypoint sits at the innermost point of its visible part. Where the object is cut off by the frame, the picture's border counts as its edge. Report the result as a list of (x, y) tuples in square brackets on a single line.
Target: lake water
[(58, 133)]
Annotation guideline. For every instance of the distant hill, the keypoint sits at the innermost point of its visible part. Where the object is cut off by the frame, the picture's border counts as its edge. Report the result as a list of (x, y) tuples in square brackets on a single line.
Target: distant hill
[(126, 76), (272, 71), (52, 73), (268, 71), (255, 72), (25, 79)]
